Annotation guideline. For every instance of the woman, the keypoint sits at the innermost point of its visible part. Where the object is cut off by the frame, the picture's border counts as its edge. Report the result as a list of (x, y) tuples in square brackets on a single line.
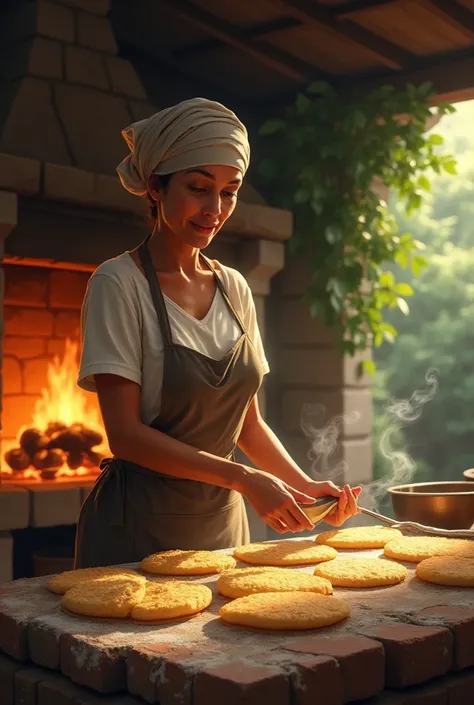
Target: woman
[(172, 347)]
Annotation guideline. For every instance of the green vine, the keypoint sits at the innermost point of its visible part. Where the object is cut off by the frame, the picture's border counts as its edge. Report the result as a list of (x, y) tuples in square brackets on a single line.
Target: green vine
[(322, 158)]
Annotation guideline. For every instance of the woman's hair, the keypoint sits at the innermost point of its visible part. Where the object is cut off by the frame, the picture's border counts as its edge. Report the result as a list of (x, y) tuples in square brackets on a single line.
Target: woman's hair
[(159, 181)]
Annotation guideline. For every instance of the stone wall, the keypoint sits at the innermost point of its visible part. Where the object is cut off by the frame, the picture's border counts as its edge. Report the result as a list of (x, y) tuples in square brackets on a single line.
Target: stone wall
[(310, 374)]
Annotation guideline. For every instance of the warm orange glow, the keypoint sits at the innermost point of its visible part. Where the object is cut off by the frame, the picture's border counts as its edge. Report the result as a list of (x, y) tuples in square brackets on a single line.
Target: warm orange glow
[(62, 401)]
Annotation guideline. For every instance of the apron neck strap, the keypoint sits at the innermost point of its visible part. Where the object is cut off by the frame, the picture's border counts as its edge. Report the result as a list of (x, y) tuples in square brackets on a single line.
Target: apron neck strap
[(221, 288), (156, 293)]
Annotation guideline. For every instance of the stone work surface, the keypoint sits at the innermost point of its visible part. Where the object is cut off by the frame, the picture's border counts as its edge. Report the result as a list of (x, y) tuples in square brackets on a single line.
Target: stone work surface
[(411, 644)]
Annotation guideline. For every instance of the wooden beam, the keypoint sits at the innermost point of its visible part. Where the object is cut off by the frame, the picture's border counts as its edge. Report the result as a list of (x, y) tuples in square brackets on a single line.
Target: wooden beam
[(386, 52), (354, 7), (453, 14), (258, 31), (275, 58)]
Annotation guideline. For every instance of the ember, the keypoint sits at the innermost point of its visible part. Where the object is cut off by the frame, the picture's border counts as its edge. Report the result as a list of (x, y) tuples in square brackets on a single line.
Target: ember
[(65, 436)]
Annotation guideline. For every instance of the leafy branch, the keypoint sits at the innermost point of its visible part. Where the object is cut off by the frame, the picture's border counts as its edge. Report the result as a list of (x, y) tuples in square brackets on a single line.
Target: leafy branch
[(324, 157)]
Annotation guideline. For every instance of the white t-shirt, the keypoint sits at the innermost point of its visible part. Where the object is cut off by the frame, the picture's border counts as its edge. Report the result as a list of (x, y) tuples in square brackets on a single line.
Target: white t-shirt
[(121, 334)]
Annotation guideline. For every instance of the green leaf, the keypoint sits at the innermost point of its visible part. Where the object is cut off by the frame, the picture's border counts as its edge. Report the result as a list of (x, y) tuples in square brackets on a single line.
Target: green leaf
[(368, 366), (449, 166), (435, 139), (424, 183), (417, 264), (403, 306), (303, 103), (404, 289), (272, 126)]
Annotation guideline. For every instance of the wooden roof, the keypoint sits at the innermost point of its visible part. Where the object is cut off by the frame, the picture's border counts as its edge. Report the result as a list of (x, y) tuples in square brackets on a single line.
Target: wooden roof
[(263, 51)]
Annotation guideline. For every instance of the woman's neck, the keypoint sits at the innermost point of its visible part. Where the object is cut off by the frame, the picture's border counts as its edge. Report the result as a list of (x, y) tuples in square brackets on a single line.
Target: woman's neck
[(172, 257)]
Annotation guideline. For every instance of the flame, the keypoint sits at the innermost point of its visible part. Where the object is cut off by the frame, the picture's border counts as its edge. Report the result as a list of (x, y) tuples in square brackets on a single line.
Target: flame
[(62, 400)]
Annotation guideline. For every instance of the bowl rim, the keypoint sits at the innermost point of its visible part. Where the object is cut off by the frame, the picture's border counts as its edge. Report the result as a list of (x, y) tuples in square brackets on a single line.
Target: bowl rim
[(402, 490)]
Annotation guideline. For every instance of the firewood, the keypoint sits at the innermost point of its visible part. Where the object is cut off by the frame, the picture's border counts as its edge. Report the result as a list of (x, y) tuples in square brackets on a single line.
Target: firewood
[(54, 427), (93, 459), (32, 440), (75, 460), (91, 438), (48, 458), (17, 459), (67, 440)]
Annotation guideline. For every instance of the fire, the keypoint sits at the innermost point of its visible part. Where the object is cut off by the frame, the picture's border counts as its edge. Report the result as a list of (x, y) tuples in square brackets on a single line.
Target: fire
[(64, 402)]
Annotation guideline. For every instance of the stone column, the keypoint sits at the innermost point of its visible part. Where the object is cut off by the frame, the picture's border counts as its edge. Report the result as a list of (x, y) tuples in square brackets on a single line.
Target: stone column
[(259, 260), (312, 375)]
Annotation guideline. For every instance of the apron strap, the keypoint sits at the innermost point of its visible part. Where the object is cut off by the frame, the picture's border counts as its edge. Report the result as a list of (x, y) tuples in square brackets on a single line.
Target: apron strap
[(156, 293), (221, 288)]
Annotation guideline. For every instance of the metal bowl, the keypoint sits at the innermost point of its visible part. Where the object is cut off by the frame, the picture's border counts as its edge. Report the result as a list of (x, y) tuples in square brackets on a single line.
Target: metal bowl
[(446, 505), (469, 474)]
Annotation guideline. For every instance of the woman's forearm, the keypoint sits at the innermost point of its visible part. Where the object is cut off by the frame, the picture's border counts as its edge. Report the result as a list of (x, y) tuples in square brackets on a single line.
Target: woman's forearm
[(160, 452), (263, 448)]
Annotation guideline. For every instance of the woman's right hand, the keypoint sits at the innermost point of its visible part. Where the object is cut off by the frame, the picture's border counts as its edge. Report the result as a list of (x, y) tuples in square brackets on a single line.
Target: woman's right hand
[(276, 502)]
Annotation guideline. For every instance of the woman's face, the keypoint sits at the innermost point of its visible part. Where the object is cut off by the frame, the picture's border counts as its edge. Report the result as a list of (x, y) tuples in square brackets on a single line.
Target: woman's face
[(196, 203)]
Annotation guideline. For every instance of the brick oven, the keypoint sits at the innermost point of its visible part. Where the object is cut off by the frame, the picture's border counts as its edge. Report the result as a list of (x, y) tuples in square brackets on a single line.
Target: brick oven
[(62, 212)]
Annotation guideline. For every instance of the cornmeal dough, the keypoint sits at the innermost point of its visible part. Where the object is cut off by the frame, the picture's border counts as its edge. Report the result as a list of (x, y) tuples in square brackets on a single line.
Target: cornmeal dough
[(447, 570), (187, 563), (417, 548), (278, 553), (285, 610), (109, 596), (358, 537), (170, 599), (362, 572), (62, 582), (247, 581)]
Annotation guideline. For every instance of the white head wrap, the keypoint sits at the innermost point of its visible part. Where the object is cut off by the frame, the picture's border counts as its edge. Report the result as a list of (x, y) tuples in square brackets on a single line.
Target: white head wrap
[(193, 133)]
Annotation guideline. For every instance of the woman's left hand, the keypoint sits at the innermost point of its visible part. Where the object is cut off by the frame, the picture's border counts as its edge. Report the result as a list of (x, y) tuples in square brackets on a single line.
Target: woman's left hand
[(347, 504)]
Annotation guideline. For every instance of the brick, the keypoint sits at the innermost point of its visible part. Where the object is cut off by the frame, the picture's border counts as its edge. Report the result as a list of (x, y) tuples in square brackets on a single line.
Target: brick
[(67, 324), (141, 109), (12, 376), (460, 620), (26, 685), (323, 368), (86, 662), (85, 134), (20, 174), (460, 688), (13, 635), (46, 142), (35, 375), (43, 643), (96, 33), (14, 507), (23, 348), (45, 58), (55, 21), (8, 668), (313, 679), (15, 410), (176, 674), (28, 322), (143, 668), (238, 682), (295, 325), (66, 183), (6, 557), (26, 286), (67, 289), (124, 78), (413, 654), (361, 661), (56, 347), (432, 694), (109, 193), (85, 66)]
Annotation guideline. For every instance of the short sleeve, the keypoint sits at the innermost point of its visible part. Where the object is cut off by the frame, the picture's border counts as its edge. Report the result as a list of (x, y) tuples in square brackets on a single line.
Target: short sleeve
[(111, 339)]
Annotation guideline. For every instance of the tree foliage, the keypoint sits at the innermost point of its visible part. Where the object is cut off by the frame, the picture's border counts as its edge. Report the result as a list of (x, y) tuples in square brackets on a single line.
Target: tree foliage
[(324, 155), (439, 332)]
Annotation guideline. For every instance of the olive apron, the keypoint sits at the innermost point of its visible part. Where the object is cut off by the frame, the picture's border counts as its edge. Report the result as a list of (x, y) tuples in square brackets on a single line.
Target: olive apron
[(133, 511)]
